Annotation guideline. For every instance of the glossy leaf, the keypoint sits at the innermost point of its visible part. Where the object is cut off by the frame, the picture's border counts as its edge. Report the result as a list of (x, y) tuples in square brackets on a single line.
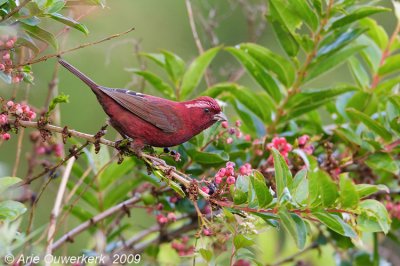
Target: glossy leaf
[(370, 123), (323, 191), (258, 73), (281, 67), (157, 83), (175, 66), (383, 162), (365, 190), (373, 217), (240, 241), (349, 197), (196, 70), (357, 14), (295, 226), (392, 64), (7, 182), (70, 22), (283, 177), (305, 12), (335, 223), (263, 195), (41, 34), (11, 210), (340, 41)]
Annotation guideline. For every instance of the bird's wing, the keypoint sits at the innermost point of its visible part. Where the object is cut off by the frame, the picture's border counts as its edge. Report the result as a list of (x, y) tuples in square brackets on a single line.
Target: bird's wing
[(155, 112)]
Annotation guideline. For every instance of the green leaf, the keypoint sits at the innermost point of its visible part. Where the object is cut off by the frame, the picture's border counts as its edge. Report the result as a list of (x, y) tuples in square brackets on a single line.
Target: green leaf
[(206, 254), (175, 67), (240, 241), (376, 32), (349, 197), (11, 210), (332, 61), (359, 73), (69, 22), (322, 189), (209, 157), (335, 223), (7, 182), (281, 67), (309, 100), (382, 162), (299, 187), (115, 171), (81, 213), (374, 217), (392, 64), (286, 39), (56, 5), (100, 159), (269, 218), (41, 34), (305, 12), (370, 123), (157, 83), (27, 42), (295, 226), (357, 14), (283, 176), (263, 195), (365, 190), (257, 71), (61, 98), (335, 43), (159, 59), (196, 70)]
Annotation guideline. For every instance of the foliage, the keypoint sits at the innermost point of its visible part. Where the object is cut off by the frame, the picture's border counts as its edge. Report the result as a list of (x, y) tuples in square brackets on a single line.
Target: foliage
[(314, 161)]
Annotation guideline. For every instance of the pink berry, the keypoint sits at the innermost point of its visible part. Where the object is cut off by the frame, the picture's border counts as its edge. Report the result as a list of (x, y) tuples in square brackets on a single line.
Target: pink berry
[(247, 137), (238, 123), (10, 44), (243, 170), (3, 119), (230, 180), (185, 239), (207, 232), (221, 172), (6, 56), (205, 190), (303, 140), (6, 136), (58, 149), (229, 140), (229, 171), (231, 131), (230, 164), (218, 180), (10, 103), (40, 150), (171, 217), (31, 115), (161, 219), (2, 67), (173, 199), (225, 124)]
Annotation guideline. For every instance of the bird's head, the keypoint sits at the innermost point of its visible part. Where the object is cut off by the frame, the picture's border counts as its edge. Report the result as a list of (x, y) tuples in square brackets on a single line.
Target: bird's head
[(204, 111)]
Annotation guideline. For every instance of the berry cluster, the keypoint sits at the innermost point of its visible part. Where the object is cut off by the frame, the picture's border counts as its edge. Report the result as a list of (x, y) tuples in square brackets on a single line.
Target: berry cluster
[(182, 247), (281, 144), (162, 219), (7, 44), (393, 209), (46, 147), (226, 176), (235, 131), (20, 111)]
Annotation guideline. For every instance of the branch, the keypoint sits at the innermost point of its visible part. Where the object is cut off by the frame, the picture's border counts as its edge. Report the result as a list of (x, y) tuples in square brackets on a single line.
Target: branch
[(45, 57), (57, 205), (101, 216), (15, 10)]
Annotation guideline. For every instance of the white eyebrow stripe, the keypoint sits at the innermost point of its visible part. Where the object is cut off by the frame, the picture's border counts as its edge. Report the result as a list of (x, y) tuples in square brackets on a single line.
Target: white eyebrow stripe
[(200, 104)]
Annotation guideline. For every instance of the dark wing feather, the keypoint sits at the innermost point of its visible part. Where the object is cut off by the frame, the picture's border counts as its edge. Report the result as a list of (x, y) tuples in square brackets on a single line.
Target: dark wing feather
[(156, 113)]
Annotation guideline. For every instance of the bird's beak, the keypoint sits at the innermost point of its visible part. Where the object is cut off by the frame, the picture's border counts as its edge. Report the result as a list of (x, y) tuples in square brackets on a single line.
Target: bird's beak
[(220, 117)]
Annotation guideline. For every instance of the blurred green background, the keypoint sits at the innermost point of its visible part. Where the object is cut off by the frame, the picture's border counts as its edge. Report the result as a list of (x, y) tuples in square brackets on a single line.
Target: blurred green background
[(159, 25)]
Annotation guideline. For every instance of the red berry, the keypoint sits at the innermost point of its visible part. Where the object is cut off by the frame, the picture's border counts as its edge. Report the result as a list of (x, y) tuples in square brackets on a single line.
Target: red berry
[(218, 180), (225, 124), (171, 217), (6, 136), (2, 67), (238, 123), (3, 119), (205, 190), (230, 180)]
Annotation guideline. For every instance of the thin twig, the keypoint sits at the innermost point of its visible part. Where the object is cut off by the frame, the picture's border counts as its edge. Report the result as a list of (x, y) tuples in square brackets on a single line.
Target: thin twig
[(45, 57), (19, 149), (196, 38), (101, 216), (57, 206), (15, 10)]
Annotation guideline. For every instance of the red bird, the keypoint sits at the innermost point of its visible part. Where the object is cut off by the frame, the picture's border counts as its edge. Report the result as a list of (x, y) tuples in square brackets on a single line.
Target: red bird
[(151, 120)]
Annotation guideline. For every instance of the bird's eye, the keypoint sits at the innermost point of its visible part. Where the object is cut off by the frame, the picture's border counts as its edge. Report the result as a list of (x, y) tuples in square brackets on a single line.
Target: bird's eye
[(206, 110)]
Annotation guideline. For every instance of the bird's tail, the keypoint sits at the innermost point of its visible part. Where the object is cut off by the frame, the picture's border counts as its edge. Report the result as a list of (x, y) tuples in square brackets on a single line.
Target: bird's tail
[(93, 85)]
